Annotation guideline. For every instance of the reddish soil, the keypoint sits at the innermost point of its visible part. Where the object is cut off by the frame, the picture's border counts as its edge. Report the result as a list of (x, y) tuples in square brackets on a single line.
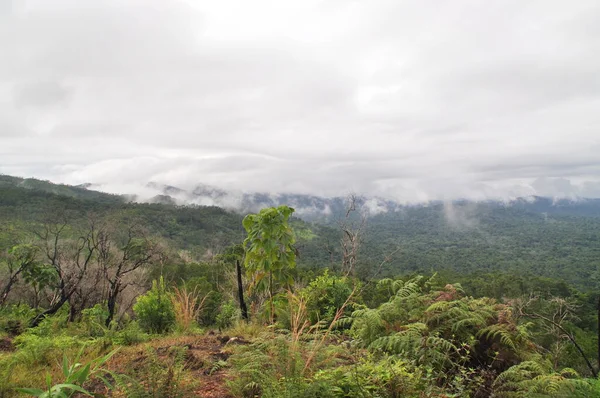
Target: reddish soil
[(6, 344)]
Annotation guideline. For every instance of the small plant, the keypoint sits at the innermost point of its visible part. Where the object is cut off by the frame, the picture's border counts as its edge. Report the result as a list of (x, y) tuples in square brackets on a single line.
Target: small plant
[(131, 334), (227, 316), (92, 320), (154, 309), (14, 319), (76, 374)]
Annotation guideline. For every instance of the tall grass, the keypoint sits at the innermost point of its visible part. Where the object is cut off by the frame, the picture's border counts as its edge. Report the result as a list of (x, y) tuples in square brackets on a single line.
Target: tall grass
[(188, 306)]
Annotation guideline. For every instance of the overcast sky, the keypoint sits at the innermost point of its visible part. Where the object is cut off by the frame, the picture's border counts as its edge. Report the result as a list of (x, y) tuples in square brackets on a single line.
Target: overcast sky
[(413, 100)]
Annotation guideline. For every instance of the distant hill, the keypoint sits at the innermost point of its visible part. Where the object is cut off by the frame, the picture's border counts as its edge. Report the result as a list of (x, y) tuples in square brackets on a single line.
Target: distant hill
[(330, 209), (536, 235), (200, 230)]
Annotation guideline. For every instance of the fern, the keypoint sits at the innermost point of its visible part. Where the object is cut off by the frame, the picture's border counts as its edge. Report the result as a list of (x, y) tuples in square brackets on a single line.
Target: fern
[(532, 379), (499, 332)]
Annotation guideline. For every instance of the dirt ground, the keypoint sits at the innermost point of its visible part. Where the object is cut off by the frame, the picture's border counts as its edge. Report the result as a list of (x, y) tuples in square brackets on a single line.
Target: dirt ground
[(204, 361)]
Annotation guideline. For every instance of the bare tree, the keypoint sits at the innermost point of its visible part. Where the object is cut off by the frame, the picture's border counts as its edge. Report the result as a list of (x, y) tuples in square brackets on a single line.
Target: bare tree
[(119, 255), (70, 258), (21, 259), (555, 320), (351, 236)]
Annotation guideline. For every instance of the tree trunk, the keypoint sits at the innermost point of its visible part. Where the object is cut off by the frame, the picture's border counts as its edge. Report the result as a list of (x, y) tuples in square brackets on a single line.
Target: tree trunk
[(50, 311), (6, 290), (112, 303), (243, 307), (598, 332), (271, 297), (72, 311)]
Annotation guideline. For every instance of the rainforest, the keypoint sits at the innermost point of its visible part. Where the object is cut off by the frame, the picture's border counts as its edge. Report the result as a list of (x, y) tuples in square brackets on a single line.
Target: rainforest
[(103, 296)]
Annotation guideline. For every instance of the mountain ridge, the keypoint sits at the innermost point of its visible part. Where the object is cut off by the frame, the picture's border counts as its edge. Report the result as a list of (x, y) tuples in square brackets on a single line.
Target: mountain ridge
[(308, 207)]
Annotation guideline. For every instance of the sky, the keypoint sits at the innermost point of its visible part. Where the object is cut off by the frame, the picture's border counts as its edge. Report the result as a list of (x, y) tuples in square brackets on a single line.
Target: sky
[(408, 100)]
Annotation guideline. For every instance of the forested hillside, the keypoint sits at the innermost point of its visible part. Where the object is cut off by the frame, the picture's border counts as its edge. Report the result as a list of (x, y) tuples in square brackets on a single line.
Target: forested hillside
[(537, 236), (465, 237), (100, 295), (203, 231)]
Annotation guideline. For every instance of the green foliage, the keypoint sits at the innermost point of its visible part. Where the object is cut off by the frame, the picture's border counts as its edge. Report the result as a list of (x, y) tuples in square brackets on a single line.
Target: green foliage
[(532, 379), (325, 295), (270, 254), (35, 349), (458, 339), (369, 377), (400, 336), (131, 334), (154, 310), (15, 318), (275, 366), (227, 316), (75, 375), (92, 320)]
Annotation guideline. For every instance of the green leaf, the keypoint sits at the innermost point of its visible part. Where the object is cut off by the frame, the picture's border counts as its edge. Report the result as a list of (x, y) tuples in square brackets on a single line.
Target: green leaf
[(36, 392), (72, 387), (65, 365)]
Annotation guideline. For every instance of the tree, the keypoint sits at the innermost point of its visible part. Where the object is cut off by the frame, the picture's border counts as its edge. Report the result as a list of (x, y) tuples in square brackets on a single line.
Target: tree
[(21, 261), (351, 236), (235, 254), (270, 253), (560, 312), (69, 257), (119, 256)]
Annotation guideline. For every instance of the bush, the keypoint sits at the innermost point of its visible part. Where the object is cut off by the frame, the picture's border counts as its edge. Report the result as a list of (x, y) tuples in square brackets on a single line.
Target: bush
[(385, 378), (212, 300), (92, 320), (131, 334), (227, 316), (325, 296), (154, 310), (15, 318), (34, 349), (156, 377)]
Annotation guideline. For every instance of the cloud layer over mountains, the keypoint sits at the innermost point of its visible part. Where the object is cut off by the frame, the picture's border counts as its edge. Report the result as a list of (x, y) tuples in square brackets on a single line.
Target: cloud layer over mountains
[(410, 100)]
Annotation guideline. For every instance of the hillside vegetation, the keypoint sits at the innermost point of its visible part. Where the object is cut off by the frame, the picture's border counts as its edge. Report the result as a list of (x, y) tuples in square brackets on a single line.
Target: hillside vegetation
[(100, 296)]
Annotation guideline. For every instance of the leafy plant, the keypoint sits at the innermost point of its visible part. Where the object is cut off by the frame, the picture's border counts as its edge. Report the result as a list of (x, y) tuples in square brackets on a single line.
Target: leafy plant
[(270, 254), (154, 310), (75, 375), (227, 315), (325, 295)]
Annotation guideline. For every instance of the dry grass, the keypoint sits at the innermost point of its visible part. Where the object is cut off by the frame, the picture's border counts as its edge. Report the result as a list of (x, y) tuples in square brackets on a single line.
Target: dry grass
[(188, 306), (248, 330)]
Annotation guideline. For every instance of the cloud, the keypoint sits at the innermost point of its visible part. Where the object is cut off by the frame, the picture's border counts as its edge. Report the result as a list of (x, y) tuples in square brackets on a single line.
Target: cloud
[(406, 100)]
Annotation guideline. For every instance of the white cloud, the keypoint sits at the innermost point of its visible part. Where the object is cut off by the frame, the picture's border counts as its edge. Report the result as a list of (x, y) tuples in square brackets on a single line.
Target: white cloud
[(410, 100)]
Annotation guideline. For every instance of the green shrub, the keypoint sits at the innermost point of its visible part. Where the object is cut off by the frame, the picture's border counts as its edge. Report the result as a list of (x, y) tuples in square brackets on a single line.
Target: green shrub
[(35, 349), (226, 316), (212, 302), (131, 334), (325, 295), (53, 324), (15, 318), (385, 378), (154, 310), (92, 319)]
